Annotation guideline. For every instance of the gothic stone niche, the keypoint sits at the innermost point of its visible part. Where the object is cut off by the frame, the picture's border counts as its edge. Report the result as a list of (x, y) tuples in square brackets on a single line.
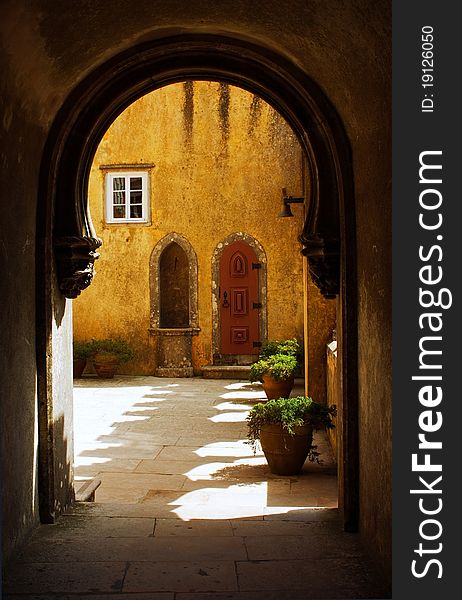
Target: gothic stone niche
[(173, 269), (174, 287)]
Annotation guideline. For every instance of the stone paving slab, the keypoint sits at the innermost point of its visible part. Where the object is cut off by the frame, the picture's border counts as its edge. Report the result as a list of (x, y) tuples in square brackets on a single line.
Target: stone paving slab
[(131, 487), (89, 467), (222, 450), (247, 528), (332, 575), (138, 510), (158, 548), (200, 528), (303, 514), (309, 546), (208, 576), (99, 526), (171, 467), (65, 578)]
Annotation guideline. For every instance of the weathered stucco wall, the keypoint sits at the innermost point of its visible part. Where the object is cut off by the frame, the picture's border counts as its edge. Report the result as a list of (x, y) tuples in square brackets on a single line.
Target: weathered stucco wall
[(343, 46), (222, 157)]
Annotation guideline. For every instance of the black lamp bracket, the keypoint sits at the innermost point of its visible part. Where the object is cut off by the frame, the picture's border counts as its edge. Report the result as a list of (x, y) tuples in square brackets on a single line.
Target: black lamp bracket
[(286, 201), (290, 199)]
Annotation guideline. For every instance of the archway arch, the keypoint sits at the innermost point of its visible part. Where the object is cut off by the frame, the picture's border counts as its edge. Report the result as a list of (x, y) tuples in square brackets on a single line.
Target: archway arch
[(328, 235)]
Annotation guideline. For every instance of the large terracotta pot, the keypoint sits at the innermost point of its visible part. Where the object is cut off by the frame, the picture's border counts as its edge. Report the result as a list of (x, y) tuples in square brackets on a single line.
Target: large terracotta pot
[(79, 365), (277, 389), (106, 364), (286, 453)]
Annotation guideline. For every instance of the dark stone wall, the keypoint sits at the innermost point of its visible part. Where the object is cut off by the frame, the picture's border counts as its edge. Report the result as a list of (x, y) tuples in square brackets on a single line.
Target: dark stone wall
[(47, 48), (21, 140)]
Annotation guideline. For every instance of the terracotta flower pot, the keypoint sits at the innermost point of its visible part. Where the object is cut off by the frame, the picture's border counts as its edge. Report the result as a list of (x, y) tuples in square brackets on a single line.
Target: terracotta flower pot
[(286, 453), (277, 389), (79, 365), (106, 364)]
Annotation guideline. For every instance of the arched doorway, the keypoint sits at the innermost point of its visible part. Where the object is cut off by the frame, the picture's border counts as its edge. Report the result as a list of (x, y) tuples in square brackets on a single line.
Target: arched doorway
[(222, 318), (328, 236)]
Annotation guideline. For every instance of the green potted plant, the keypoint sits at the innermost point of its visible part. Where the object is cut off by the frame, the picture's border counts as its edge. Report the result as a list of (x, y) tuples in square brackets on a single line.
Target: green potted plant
[(108, 354), (284, 427), (82, 351), (276, 373), (291, 346), (270, 347)]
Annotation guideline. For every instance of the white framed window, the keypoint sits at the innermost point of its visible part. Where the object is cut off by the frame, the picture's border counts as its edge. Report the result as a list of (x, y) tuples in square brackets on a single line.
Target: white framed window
[(127, 197)]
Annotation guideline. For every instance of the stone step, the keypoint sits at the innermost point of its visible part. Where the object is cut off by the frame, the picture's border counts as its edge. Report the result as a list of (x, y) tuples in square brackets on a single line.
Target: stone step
[(226, 372)]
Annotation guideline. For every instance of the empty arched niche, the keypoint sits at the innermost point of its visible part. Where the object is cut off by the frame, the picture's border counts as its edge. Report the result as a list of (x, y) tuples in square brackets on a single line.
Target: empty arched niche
[(174, 287), (173, 280), (173, 283)]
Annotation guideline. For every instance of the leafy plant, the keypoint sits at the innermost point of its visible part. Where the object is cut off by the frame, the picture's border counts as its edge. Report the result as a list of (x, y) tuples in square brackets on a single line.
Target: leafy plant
[(290, 413), (279, 366), (82, 350), (291, 347), (271, 347), (115, 346)]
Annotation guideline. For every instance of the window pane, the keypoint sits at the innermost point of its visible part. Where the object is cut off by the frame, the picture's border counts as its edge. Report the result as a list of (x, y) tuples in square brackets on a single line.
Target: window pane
[(119, 197), (119, 212), (118, 183), (135, 198), (136, 212), (136, 183)]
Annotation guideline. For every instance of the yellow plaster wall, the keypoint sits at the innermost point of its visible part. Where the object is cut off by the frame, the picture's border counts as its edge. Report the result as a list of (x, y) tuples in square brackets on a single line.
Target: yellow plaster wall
[(222, 157)]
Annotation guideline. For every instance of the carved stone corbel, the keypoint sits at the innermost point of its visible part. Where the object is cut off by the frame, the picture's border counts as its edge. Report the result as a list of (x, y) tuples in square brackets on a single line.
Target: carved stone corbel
[(75, 257), (324, 263)]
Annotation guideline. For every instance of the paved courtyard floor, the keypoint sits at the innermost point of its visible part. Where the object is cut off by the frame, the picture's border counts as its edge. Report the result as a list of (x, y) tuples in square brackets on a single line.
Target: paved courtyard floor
[(185, 510)]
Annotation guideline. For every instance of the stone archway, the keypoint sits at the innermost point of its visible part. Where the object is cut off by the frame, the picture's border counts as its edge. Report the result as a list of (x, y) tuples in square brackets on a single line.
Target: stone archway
[(66, 235)]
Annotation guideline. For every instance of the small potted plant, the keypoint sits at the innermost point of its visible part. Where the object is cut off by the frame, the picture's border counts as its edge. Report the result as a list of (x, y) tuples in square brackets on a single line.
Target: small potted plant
[(291, 346), (270, 347), (276, 373), (108, 354), (82, 351), (285, 428)]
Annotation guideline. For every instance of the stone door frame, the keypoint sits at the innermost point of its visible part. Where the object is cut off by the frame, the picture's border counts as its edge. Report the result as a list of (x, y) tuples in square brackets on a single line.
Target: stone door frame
[(262, 286)]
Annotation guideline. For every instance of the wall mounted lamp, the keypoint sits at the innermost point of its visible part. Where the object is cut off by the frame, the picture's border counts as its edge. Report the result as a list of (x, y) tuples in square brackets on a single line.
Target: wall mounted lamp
[(286, 202)]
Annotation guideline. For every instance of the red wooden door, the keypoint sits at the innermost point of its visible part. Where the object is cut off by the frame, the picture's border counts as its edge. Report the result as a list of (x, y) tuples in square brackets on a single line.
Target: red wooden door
[(239, 298)]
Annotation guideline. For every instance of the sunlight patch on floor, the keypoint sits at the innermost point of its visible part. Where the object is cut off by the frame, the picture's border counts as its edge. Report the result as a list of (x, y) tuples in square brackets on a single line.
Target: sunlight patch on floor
[(239, 385), (237, 449), (246, 395), (233, 502), (231, 406), (212, 470), (230, 417)]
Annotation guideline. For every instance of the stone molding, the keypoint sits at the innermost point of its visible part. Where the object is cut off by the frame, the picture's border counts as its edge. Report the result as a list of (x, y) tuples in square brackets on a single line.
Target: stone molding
[(154, 279), (323, 262), (75, 257)]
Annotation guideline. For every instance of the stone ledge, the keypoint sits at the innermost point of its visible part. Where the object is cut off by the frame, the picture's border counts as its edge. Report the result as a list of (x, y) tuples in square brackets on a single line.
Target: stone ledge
[(174, 372), (226, 372), (86, 492)]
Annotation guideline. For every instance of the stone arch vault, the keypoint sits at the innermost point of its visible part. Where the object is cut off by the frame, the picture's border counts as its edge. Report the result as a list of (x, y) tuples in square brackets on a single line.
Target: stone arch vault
[(68, 245)]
